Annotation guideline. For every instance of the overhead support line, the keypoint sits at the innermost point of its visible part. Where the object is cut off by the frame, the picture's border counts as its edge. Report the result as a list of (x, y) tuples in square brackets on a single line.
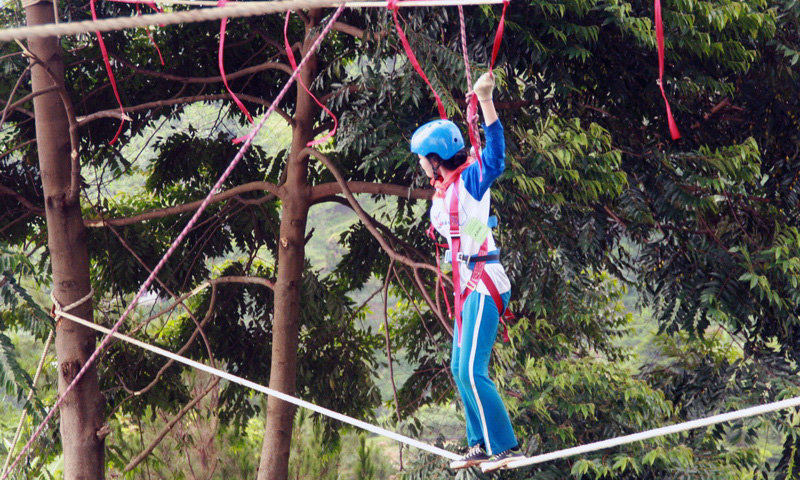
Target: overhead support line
[(243, 9)]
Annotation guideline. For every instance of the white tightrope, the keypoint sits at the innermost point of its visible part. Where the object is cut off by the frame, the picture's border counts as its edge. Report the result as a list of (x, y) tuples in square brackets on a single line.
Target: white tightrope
[(658, 432), (260, 388), (242, 9)]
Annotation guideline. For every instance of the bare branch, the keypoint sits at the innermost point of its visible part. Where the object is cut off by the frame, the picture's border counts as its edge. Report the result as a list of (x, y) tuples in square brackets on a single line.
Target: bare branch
[(358, 32), (348, 29), (12, 149), (13, 92), (115, 113), (27, 98), (393, 254), (216, 79), (345, 189), (168, 427), (349, 88), (383, 228), (5, 191), (321, 192), (165, 212), (243, 279), (197, 331)]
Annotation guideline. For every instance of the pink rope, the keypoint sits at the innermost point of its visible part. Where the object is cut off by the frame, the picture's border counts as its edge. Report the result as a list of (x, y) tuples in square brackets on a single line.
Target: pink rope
[(176, 242), (221, 61), (472, 98)]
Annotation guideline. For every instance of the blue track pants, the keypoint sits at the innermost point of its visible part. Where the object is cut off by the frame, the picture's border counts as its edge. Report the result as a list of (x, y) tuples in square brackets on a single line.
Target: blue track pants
[(487, 419)]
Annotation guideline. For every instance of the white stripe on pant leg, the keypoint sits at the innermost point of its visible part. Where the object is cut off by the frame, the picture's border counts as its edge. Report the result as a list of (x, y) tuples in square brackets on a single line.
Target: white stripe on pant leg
[(475, 332)]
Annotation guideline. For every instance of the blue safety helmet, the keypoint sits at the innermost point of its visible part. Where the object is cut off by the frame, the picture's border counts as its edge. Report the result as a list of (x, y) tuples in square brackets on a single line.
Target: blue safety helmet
[(441, 137)]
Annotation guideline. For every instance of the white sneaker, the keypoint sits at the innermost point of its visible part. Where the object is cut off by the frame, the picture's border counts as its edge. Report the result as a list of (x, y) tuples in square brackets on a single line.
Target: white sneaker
[(501, 460), (474, 456)]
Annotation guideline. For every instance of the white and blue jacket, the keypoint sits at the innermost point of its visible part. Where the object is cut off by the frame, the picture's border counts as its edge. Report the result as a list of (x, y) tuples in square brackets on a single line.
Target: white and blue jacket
[(474, 198)]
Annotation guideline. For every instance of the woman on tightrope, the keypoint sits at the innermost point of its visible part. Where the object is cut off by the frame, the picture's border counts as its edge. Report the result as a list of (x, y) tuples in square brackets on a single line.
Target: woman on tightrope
[(462, 195)]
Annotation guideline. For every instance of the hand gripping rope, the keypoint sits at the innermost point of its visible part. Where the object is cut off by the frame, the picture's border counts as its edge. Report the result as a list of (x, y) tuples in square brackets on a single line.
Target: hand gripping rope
[(472, 97), (177, 240)]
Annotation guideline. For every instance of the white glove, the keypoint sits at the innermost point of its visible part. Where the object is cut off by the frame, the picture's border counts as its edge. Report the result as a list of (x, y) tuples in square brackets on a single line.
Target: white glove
[(484, 86)]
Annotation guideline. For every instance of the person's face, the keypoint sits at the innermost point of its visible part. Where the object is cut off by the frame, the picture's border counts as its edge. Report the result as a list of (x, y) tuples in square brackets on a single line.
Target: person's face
[(426, 166)]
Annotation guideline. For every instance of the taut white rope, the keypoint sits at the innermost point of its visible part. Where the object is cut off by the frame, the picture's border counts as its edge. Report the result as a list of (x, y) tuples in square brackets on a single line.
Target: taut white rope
[(255, 386), (242, 9), (658, 432), (72, 305)]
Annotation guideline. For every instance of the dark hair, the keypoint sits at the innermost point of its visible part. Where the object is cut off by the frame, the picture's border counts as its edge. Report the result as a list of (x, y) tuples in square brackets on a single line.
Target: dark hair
[(451, 163)]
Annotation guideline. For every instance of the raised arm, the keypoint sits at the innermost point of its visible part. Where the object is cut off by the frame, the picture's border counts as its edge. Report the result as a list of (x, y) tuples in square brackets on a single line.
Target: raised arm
[(493, 156), (483, 90)]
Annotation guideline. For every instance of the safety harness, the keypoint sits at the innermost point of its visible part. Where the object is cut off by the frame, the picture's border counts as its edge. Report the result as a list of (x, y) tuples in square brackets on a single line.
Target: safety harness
[(476, 262)]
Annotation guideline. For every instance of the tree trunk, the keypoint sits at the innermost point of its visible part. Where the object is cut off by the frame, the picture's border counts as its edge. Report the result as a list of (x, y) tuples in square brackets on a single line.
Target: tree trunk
[(295, 197), (81, 413)]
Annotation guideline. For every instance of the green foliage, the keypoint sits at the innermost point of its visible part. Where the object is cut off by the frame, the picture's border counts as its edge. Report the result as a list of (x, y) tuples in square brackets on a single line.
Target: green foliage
[(595, 200)]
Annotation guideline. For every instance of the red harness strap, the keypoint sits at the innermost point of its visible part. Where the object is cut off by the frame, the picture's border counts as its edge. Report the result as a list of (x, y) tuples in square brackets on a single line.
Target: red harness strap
[(439, 269), (479, 273)]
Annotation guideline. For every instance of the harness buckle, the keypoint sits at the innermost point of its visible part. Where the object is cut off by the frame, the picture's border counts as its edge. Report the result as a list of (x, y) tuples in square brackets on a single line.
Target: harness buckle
[(461, 258)]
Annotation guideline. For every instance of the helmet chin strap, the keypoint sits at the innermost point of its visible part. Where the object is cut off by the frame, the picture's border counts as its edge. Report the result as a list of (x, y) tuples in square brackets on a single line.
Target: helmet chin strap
[(436, 169)]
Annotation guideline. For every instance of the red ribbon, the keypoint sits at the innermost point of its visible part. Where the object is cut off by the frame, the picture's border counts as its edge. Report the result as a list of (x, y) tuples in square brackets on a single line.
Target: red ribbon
[(147, 28), (221, 62), (392, 5), (111, 78), (673, 127), (292, 61), (498, 36)]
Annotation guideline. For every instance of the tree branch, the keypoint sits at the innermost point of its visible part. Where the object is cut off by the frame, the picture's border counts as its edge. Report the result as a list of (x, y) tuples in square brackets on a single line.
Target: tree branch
[(374, 231), (323, 191), (349, 88), (243, 279), (12, 149), (115, 113), (5, 191), (358, 32), (165, 212), (13, 92), (216, 79), (348, 29), (168, 427), (345, 189)]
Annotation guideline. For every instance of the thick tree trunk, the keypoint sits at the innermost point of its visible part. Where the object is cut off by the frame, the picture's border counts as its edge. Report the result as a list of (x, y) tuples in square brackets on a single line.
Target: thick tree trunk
[(295, 198), (82, 411)]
